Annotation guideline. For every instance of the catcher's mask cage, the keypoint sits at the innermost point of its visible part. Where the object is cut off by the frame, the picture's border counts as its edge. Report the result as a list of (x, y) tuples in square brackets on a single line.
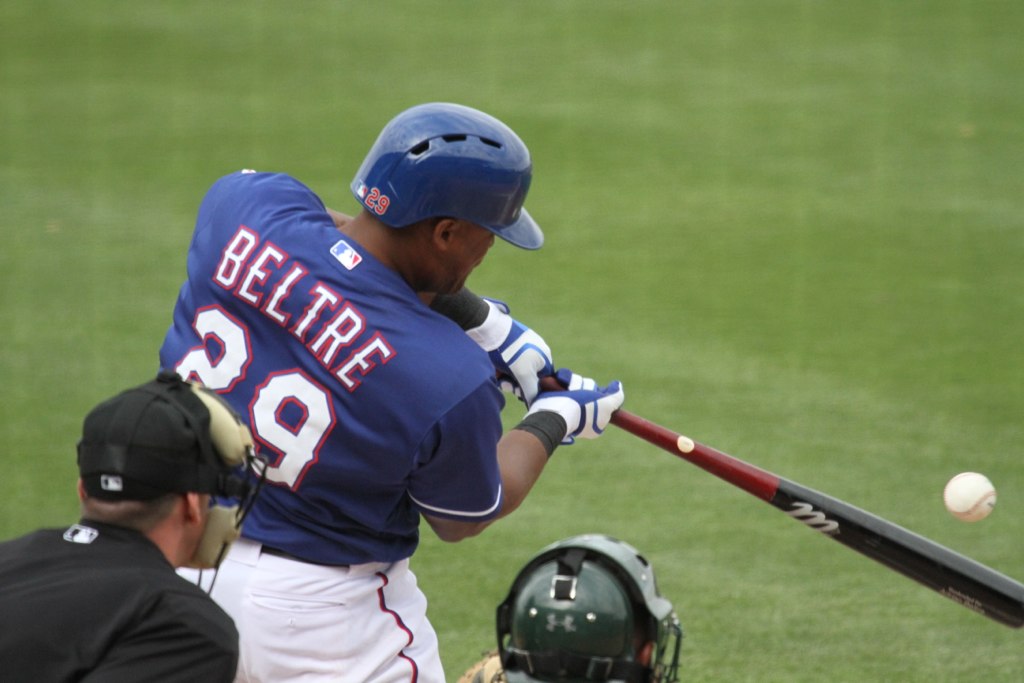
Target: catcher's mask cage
[(172, 436), (583, 609), (449, 160)]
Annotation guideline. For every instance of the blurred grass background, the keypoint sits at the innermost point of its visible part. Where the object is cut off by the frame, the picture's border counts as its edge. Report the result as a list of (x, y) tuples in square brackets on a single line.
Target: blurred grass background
[(794, 229)]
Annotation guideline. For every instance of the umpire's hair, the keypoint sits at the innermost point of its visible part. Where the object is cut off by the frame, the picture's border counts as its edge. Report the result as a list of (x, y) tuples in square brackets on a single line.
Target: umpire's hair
[(140, 515)]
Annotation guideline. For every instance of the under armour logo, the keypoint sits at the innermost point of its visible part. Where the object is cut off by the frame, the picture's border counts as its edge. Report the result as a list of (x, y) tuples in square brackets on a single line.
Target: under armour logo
[(566, 623)]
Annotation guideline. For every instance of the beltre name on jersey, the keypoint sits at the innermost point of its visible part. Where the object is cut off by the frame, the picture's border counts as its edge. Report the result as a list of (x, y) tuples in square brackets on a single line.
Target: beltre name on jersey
[(351, 385)]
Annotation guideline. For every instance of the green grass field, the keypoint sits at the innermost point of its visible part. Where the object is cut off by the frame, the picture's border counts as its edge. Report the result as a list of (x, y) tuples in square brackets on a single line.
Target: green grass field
[(793, 229)]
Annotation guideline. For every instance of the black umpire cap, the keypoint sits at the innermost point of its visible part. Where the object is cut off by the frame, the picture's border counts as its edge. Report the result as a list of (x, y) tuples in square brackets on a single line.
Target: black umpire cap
[(151, 440)]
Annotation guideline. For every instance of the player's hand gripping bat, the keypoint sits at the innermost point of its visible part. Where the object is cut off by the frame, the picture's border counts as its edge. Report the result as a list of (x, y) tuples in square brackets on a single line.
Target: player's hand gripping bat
[(959, 578)]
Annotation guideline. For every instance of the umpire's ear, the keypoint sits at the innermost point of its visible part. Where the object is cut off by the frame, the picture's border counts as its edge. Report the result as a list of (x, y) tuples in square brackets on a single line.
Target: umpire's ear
[(196, 509)]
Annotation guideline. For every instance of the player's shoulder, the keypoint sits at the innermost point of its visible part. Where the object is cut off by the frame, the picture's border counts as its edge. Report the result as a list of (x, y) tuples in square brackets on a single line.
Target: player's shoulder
[(267, 183), (16, 553), (445, 342), (250, 176)]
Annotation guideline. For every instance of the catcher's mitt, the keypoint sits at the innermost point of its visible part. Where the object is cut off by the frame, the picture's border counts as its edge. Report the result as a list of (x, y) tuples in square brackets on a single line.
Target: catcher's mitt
[(487, 670)]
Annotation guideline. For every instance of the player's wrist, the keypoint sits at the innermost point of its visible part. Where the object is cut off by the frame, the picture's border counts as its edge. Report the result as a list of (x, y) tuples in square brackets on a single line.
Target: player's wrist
[(464, 307), (549, 427), (497, 330)]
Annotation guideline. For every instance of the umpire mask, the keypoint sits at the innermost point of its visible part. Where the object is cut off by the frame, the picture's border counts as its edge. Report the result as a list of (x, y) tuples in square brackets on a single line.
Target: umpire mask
[(172, 436)]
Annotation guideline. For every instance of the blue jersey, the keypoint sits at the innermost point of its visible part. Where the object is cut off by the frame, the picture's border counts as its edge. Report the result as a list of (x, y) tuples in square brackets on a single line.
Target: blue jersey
[(369, 407)]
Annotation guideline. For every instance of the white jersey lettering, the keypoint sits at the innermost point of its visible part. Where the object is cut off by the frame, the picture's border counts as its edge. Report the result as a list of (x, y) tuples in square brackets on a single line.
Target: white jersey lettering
[(234, 257)]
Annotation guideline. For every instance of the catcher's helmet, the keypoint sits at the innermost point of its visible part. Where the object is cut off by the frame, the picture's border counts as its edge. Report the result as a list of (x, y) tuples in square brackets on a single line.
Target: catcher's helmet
[(449, 160), (584, 609)]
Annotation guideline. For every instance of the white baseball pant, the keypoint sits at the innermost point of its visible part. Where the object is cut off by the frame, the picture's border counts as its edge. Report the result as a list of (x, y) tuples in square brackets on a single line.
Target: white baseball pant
[(305, 622)]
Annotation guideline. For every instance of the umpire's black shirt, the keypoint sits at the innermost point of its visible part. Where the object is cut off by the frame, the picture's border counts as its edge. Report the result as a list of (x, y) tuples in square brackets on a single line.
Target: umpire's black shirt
[(101, 603)]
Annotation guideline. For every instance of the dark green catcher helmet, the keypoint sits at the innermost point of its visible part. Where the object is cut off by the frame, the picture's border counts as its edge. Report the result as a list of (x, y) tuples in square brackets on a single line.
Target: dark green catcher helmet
[(584, 609)]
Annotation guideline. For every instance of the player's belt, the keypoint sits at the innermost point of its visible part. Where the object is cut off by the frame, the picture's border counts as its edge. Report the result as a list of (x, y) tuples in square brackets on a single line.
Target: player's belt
[(277, 552)]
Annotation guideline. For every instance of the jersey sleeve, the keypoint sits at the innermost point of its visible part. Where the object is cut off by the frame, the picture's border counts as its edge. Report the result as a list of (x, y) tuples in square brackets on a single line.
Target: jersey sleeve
[(457, 474)]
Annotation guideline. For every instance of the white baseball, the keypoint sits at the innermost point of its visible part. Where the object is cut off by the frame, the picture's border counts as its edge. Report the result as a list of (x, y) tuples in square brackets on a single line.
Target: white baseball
[(969, 496)]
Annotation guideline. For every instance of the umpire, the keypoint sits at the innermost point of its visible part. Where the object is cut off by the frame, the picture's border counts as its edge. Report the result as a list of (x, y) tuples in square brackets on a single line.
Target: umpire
[(100, 600)]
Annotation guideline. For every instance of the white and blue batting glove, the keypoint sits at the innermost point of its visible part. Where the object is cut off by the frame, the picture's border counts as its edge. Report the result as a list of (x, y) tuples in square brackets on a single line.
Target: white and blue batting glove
[(586, 408), (519, 355)]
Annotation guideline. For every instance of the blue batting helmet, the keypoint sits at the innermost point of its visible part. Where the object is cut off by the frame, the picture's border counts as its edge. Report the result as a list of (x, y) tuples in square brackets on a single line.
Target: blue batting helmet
[(449, 160)]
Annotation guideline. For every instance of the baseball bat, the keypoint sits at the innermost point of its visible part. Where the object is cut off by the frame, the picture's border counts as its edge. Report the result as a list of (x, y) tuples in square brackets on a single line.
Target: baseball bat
[(955, 576)]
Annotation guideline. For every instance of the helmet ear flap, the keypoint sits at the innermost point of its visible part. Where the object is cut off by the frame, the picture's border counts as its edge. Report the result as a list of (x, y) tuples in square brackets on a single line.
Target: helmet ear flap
[(230, 436), (504, 624)]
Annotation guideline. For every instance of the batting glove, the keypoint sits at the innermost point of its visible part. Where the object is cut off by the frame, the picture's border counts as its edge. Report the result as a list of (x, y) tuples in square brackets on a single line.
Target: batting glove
[(586, 408), (520, 356)]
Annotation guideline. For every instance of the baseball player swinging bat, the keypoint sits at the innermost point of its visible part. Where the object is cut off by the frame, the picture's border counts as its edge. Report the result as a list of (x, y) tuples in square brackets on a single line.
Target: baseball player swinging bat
[(959, 578)]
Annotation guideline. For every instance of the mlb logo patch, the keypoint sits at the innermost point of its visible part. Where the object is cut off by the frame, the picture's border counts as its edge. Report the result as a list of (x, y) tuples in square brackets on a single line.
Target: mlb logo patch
[(111, 482), (80, 534), (346, 255)]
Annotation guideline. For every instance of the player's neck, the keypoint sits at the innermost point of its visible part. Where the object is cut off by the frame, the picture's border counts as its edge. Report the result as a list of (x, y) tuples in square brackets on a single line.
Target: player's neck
[(371, 235), (397, 249)]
